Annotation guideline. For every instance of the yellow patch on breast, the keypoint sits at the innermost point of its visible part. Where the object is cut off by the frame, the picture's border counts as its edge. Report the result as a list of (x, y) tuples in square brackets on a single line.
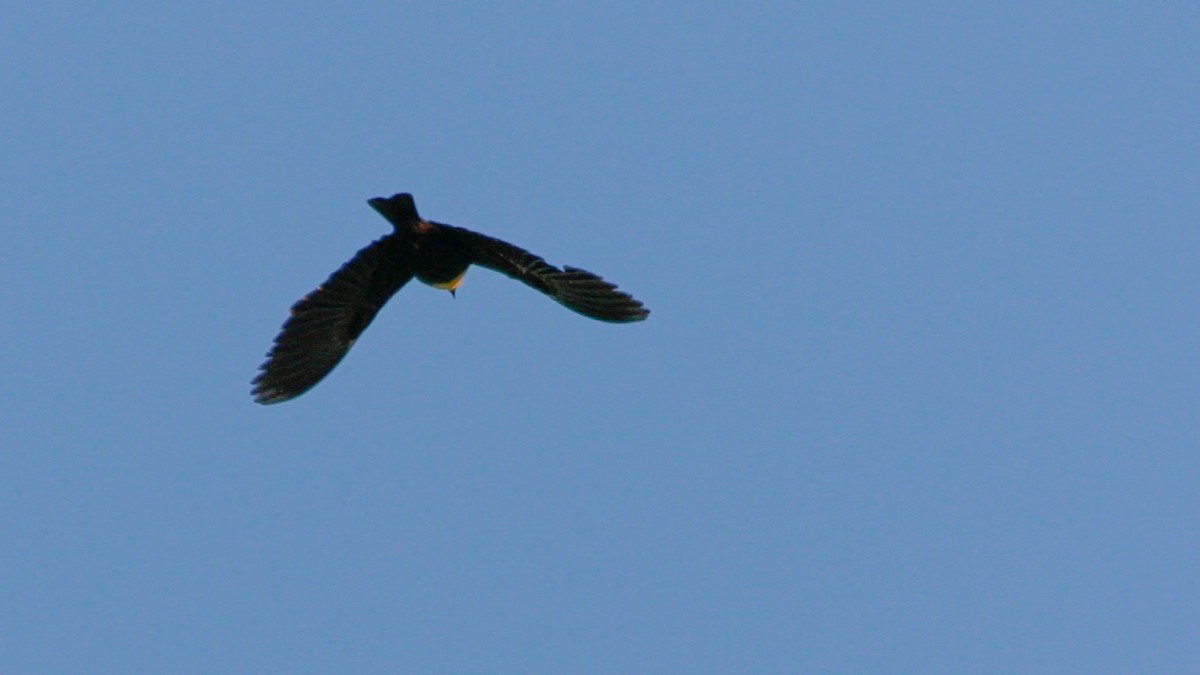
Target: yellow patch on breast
[(452, 284)]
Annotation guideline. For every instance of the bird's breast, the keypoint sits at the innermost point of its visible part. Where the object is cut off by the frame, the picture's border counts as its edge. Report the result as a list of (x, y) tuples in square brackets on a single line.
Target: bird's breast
[(436, 257), (445, 285)]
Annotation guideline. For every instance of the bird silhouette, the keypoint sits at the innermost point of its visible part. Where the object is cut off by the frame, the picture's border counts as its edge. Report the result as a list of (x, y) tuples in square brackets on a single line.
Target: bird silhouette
[(323, 325)]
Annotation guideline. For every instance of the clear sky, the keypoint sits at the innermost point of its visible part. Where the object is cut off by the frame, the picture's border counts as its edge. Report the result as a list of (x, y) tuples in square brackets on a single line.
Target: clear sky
[(918, 393)]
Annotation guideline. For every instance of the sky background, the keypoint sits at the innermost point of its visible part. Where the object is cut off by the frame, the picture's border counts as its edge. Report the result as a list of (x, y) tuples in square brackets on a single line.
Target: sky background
[(918, 393)]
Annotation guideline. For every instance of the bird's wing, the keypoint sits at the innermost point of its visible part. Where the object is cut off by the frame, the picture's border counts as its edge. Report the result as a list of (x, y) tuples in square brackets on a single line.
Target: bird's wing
[(325, 323), (574, 288)]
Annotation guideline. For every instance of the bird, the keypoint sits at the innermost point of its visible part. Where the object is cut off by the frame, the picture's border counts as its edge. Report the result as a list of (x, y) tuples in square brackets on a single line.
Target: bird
[(323, 325)]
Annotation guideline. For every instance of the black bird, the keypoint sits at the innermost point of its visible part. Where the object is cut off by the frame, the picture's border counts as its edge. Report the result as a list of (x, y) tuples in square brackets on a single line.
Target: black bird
[(325, 323)]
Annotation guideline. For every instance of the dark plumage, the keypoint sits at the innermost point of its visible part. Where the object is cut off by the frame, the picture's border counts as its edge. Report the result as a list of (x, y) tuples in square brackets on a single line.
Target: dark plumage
[(325, 323)]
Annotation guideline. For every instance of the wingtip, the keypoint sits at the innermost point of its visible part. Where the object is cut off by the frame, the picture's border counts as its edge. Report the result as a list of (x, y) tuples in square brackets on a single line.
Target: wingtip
[(592, 296), (264, 393)]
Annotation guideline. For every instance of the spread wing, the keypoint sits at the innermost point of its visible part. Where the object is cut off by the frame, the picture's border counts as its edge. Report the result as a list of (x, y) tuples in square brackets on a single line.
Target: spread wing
[(325, 323), (574, 288)]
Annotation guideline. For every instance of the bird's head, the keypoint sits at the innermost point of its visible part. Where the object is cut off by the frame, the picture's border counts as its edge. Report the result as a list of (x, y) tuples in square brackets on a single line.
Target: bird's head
[(399, 209)]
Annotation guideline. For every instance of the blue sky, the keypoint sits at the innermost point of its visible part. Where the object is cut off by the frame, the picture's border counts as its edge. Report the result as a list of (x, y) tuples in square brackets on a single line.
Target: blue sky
[(918, 393)]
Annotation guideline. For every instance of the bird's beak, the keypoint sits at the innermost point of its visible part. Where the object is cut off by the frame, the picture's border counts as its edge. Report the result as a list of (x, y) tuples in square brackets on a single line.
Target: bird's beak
[(452, 294)]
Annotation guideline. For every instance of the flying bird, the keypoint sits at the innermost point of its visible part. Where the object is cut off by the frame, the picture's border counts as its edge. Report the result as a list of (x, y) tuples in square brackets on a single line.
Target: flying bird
[(324, 324)]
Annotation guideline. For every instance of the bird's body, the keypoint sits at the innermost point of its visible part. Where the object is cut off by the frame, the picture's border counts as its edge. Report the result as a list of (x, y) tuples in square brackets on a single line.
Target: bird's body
[(428, 249), (324, 324)]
